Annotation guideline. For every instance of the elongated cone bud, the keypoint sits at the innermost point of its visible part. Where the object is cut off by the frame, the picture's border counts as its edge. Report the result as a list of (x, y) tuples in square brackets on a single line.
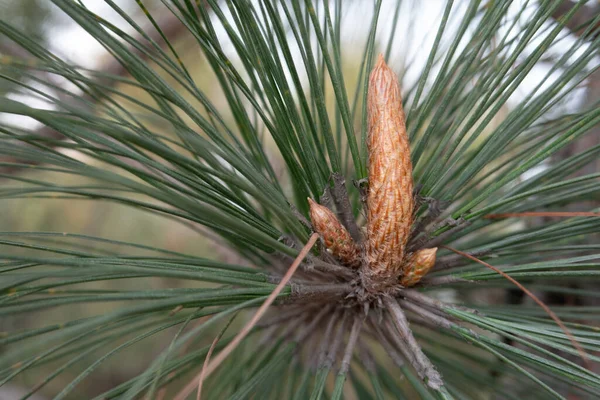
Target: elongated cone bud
[(419, 265), (337, 239), (390, 198)]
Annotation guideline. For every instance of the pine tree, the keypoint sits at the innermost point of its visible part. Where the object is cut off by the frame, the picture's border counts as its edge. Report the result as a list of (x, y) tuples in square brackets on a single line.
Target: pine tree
[(373, 214)]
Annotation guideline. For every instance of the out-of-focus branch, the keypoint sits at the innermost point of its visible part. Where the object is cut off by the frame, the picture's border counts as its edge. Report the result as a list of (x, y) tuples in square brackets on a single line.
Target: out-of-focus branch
[(172, 29), (580, 21), (578, 24)]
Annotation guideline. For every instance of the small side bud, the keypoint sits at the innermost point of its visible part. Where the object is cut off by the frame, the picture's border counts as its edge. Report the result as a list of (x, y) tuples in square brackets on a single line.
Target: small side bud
[(337, 239), (419, 265)]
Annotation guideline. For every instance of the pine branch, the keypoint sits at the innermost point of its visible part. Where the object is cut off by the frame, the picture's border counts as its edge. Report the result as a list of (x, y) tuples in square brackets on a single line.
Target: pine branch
[(406, 340)]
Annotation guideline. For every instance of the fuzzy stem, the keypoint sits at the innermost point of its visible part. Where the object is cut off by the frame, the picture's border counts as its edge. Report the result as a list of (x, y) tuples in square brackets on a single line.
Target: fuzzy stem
[(422, 364), (436, 241), (307, 330), (366, 358), (420, 233), (344, 208), (432, 309), (325, 198), (456, 260), (330, 268), (320, 355), (419, 298), (396, 339), (387, 344), (283, 315), (427, 315), (267, 335), (442, 280), (335, 345), (300, 217), (293, 326), (305, 293), (354, 333)]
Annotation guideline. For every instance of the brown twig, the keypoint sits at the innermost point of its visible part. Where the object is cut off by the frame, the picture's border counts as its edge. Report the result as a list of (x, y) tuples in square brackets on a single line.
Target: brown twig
[(335, 344), (419, 360), (326, 198), (442, 280), (300, 217), (427, 315), (424, 239), (387, 345), (282, 316), (267, 334), (434, 210), (547, 309), (322, 266), (307, 293), (344, 208), (308, 329), (366, 358), (319, 356), (419, 298), (354, 333), (287, 330), (203, 371), (456, 260), (248, 327), (436, 241)]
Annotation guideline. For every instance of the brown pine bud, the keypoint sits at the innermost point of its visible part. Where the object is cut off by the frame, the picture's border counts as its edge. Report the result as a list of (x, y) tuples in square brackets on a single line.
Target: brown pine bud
[(337, 239), (419, 265), (390, 197)]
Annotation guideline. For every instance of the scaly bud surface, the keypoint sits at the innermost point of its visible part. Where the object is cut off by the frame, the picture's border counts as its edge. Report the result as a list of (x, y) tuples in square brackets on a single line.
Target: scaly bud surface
[(337, 239), (420, 264), (390, 197)]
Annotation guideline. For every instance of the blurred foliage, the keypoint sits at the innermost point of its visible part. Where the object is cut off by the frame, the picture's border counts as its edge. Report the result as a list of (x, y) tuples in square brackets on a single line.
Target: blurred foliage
[(34, 17)]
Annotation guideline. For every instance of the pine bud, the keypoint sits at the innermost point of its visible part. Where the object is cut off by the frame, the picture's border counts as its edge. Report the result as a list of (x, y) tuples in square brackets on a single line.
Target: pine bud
[(419, 265), (337, 239), (390, 197)]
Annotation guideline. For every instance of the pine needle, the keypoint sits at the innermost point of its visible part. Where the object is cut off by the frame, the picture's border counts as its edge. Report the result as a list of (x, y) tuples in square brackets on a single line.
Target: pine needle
[(544, 214), (246, 330), (547, 309)]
